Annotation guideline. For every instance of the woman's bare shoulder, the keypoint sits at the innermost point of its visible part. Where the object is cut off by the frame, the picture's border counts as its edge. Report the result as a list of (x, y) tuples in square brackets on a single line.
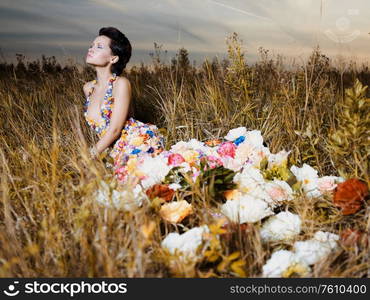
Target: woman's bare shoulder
[(122, 87), (87, 86), (123, 81)]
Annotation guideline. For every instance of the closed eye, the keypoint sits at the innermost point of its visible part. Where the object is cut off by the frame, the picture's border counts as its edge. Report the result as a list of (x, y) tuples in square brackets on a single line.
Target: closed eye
[(99, 46)]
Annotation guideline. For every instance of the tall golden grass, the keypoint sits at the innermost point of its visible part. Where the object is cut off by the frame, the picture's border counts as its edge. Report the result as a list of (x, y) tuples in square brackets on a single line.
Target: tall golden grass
[(52, 227)]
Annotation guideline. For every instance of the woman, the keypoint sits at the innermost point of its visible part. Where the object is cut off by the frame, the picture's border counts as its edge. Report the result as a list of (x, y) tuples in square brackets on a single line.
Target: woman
[(107, 107)]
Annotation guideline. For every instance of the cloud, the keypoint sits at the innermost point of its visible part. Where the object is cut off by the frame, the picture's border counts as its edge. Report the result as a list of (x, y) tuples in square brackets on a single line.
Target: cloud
[(22, 20), (110, 4), (239, 10), (287, 26)]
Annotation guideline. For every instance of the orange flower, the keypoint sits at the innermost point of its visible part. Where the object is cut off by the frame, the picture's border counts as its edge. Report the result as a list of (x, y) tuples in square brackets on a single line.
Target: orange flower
[(213, 143), (175, 211), (232, 194), (161, 191), (350, 195)]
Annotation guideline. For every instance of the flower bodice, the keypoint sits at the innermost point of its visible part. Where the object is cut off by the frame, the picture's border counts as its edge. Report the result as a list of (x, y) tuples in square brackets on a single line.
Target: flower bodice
[(105, 109)]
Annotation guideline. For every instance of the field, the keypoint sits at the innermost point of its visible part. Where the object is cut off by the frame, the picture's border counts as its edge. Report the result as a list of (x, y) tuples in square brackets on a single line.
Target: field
[(51, 225)]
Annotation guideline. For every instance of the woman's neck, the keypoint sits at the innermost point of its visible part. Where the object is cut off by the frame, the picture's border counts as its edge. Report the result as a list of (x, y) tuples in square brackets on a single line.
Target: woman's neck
[(103, 75)]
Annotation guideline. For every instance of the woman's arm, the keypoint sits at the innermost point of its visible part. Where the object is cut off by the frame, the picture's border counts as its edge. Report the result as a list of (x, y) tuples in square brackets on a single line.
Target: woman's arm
[(122, 98)]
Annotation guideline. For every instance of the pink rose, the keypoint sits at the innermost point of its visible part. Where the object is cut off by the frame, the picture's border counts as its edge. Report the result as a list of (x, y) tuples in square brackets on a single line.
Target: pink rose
[(213, 161), (326, 183), (120, 174), (227, 149), (119, 170), (175, 159), (277, 193)]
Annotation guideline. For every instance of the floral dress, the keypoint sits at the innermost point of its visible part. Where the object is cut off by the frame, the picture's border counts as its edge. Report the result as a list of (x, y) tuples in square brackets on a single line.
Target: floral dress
[(136, 139)]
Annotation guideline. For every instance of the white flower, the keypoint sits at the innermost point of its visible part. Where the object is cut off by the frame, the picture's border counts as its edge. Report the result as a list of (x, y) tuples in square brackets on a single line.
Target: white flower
[(251, 151), (194, 144), (258, 155), (232, 163), (328, 183), (155, 169), (282, 227), (248, 155), (305, 173), (327, 237), (185, 244), (233, 134), (244, 151), (127, 199), (212, 151), (278, 190), (319, 247), (246, 209), (278, 158), (260, 192), (251, 182), (179, 147), (248, 178), (283, 263), (279, 262), (309, 179), (254, 138), (304, 253)]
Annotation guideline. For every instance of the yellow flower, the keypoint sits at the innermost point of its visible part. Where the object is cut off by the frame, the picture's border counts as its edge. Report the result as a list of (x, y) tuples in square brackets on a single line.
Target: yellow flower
[(131, 164), (137, 141), (190, 155), (132, 167)]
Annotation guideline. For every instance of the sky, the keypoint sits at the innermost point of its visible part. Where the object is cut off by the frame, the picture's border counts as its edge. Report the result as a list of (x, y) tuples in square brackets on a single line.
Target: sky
[(292, 28)]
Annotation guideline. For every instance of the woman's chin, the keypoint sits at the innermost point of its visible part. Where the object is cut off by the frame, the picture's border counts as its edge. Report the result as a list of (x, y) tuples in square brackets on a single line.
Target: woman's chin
[(89, 60)]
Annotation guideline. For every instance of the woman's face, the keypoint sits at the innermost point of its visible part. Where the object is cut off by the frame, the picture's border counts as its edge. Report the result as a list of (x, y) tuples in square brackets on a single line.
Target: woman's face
[(99, 52)]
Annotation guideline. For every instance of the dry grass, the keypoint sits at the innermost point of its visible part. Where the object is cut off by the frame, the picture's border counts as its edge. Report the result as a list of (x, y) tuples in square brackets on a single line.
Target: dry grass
[(51, 226)]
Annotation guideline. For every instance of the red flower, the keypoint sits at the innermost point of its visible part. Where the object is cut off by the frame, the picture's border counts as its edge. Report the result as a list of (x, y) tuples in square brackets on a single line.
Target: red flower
[(350, 195), (161, 191)]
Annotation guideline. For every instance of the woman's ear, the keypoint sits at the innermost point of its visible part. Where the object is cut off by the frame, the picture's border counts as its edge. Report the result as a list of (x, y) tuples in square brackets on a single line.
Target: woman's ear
[(115, 59)]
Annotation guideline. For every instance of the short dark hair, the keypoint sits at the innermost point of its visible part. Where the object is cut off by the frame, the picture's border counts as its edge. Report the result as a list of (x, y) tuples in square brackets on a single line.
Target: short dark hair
[(120, 45)]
